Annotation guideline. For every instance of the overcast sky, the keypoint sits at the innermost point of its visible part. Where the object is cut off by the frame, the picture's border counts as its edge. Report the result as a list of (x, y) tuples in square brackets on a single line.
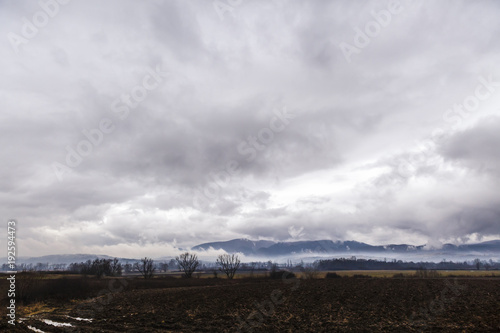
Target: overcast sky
[(133, 128)]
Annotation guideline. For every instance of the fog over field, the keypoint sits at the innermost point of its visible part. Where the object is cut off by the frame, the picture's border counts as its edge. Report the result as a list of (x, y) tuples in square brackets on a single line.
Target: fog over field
[(136, 129)]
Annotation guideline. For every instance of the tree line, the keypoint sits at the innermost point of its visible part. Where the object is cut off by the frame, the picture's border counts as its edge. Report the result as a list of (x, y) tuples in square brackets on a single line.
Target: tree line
[(229, 264), (370, 264), (98, 267), (186, 262)]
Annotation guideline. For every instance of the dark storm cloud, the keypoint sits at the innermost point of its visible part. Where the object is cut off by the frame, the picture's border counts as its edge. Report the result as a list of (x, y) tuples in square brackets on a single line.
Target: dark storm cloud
[(477, 146), (189, 94)]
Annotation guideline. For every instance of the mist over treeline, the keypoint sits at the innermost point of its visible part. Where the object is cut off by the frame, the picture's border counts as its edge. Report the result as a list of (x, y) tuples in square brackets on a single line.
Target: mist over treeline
[(113, 267), (370, 264)]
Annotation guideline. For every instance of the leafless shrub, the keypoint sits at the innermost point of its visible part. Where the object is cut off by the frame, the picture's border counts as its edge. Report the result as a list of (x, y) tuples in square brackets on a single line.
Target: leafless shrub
[(115, 268), (163, 267), (188, 263), (146, 267), (275, 273), (229, 264), (252, 268), (310, 272)]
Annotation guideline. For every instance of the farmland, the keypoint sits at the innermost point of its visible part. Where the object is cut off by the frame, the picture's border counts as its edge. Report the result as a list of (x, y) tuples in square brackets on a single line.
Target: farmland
[(167, 304)]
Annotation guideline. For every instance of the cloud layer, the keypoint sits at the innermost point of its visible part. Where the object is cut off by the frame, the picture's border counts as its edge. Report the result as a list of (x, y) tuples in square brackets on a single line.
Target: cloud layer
[(144, 128)]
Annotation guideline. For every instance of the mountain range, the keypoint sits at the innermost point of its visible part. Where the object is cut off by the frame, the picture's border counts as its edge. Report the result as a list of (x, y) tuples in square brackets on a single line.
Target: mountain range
[(61, 259), (270, 248)]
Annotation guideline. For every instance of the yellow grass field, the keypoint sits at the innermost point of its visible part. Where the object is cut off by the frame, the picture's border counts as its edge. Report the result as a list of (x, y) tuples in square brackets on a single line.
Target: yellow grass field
[(372, 273), (390, 273)]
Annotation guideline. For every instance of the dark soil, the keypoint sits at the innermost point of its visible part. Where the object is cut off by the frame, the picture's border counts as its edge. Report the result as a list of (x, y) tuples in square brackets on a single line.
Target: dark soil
[(292, 305)]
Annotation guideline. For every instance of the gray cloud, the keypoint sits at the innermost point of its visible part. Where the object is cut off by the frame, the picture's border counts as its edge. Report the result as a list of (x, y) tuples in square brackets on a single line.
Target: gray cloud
[(333, 170), (476, 147)]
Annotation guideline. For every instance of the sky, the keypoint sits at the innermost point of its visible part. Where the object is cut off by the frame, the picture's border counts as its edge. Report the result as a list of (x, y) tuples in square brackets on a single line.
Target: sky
[(142, 128)]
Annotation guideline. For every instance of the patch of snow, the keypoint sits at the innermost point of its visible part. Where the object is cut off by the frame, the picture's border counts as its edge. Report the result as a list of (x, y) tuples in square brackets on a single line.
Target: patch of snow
[(34, 329), (54, 323), (80, 319)]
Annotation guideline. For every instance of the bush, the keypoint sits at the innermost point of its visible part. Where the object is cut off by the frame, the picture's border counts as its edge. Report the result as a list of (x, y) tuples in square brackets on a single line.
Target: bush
[(332, 275), (361, 276), (310, 273), (398, 276), (281, 275)]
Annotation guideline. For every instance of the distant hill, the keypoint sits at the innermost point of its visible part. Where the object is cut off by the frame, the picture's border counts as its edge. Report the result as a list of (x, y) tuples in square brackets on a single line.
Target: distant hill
[(243, 245), (272, 249), (319, 246), (59, 258), (328, 246), (269, 248), (490, 246)]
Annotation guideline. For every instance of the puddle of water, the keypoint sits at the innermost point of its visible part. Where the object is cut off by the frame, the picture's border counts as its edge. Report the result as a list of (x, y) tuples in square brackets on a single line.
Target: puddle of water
[(34, 329), (54, 323)]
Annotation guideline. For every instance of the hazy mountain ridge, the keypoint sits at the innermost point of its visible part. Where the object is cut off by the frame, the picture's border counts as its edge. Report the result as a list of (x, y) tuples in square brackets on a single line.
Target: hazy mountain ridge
[(59, 258), (270, 249), (241, 245), (249, 247)]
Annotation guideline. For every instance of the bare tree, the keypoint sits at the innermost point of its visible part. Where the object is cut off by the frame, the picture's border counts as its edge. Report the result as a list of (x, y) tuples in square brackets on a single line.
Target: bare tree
[(477, 262), (163, 266), (252, 267), (229, 264), (100, 267), (128, 268), (146, 267), (115, 267), (187, 263)]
